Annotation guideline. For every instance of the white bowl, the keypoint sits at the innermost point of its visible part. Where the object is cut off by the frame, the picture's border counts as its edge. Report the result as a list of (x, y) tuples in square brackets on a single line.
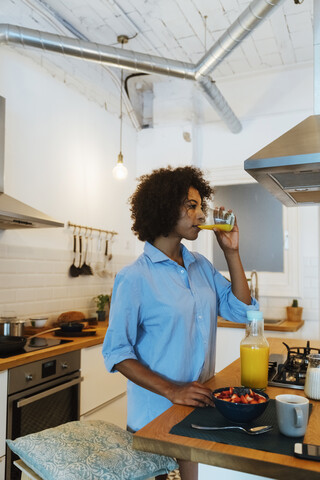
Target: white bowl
[(38, 321)]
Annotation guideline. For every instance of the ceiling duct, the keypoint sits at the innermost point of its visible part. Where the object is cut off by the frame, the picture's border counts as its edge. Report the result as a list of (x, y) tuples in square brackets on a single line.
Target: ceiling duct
[(289, 167), (126, 59)]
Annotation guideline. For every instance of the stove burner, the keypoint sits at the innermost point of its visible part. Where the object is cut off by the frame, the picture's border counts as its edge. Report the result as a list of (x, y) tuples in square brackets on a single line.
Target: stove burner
[(292, 372), (38, 342), (34, 344)]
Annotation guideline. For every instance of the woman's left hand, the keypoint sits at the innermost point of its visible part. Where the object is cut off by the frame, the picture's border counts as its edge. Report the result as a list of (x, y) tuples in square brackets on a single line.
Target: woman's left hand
[(228, 240)]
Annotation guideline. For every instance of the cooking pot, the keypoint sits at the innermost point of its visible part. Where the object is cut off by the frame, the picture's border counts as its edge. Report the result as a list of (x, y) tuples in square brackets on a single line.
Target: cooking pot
[(12, 326)]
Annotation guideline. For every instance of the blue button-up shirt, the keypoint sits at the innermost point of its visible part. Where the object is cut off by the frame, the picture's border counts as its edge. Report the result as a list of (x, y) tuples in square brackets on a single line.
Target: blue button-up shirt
[(165, 316)]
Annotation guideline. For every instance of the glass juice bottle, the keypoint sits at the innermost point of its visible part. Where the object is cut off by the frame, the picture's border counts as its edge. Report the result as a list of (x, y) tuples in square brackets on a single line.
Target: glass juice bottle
[(254, 353)]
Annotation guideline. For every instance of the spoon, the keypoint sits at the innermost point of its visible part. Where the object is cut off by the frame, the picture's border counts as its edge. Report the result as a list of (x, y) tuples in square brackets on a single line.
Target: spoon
[(250, 431)]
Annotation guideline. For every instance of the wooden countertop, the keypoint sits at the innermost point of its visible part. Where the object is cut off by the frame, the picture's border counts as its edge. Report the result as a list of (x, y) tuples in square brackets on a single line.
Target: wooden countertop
[(155, 436), (284, 326), (76, 344)]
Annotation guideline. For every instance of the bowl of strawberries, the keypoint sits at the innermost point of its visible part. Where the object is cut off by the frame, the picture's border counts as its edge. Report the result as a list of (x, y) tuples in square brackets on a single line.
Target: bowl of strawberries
[(240, 404)]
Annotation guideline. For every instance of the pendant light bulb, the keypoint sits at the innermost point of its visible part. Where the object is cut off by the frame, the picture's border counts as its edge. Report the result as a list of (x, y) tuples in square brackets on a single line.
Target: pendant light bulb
[(120, 172)]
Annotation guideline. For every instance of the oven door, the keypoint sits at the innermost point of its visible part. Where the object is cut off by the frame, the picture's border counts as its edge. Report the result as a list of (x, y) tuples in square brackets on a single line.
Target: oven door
[(44, 406)]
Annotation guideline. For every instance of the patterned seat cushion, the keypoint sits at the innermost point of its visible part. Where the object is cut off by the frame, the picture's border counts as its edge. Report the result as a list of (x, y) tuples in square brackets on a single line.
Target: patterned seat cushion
[(90, 450)]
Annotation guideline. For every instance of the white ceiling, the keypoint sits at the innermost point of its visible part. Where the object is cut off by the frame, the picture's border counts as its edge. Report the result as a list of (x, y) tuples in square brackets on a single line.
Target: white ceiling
[(175, 29)]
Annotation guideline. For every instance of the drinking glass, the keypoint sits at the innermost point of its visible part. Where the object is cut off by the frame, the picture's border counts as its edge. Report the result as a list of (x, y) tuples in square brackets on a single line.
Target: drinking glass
[(222, 220)]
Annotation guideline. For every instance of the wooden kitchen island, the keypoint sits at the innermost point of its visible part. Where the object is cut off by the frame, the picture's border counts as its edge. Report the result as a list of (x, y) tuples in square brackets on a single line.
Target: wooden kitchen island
[(155, 436)]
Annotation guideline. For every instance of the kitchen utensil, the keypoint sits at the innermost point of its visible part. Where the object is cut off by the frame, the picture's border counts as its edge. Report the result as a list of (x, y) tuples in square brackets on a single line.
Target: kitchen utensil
[(240, 412), (11, 326), (71, 327), (17, 328), (250, 431), (38, 322), (104, 272), (74, 270), (110, 246), (85, 333), (5, 322), (89, 259), (85, 269)]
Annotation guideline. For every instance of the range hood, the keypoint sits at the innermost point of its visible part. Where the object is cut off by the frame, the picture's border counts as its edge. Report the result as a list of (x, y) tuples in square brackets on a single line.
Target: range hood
[(289, 167), (13, 213)]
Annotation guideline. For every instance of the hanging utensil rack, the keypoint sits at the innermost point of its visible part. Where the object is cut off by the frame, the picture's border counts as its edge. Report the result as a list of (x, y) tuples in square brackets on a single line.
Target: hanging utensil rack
[(92, 229)]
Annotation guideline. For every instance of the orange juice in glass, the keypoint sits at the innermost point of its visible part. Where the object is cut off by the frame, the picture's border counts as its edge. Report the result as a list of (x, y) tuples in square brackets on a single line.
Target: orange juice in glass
[(222, 220)]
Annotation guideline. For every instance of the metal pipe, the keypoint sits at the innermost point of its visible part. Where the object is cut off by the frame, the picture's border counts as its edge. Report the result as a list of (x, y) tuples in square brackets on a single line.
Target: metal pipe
[(219, 103), (11, 34), (252, 16), (85, 50), (127, 59)]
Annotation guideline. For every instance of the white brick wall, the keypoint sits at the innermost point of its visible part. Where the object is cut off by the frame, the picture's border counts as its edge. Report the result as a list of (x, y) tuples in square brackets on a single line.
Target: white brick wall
[(275, 307), (35, 281)]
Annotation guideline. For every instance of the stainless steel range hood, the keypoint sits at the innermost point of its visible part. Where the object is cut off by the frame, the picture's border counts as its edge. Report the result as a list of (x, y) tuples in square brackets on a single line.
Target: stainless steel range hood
[(13, 213), (289, 167)]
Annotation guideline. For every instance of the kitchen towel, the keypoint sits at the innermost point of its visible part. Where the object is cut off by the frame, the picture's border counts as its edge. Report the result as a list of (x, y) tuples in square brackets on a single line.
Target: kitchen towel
[(272, 441)]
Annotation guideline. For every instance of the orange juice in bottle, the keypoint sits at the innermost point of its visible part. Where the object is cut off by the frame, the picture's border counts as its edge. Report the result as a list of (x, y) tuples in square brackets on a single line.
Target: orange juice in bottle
[(254, 353)]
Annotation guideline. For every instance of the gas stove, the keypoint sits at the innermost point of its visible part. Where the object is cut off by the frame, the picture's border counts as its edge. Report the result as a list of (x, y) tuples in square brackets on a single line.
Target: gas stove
[(290, 372)]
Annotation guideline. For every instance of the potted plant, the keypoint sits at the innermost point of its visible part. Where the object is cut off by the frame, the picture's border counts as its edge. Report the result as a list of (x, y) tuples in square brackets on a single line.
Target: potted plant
[(294, 313), (102, 302)]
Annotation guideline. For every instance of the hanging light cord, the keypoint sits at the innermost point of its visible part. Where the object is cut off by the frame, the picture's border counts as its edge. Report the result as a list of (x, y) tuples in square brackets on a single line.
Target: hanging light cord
[(205, 33), (121, 87)]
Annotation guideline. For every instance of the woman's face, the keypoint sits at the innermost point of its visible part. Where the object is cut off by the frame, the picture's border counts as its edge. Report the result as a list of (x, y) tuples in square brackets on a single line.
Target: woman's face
[(191, 215)]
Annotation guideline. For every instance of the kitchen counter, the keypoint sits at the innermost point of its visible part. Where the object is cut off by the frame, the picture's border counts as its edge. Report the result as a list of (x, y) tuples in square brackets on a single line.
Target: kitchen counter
[(155, 436), (283, 326), (76, 344)]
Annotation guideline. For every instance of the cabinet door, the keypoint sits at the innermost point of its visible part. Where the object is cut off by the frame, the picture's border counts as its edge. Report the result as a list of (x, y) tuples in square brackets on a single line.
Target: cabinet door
[(114, 412), (2, 467), (3, 410), (98, 386)]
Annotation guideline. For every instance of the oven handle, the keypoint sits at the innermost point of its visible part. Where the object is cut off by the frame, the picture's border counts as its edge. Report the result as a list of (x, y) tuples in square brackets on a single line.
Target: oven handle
[(46, 393)]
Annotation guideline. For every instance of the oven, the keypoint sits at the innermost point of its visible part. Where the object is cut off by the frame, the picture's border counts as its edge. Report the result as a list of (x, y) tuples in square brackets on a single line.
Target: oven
[(41, 395)]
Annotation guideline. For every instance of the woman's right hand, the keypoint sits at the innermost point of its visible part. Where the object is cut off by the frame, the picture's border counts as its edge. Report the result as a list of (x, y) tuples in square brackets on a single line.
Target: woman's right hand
[(192, 394)]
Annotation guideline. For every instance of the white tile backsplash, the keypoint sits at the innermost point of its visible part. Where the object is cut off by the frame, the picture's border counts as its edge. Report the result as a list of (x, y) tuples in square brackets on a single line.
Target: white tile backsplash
[(35, 281)]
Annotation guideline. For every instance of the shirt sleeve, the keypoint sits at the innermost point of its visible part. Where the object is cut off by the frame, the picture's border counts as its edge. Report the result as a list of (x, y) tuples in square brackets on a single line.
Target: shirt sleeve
[(121, 335), (229, 306)]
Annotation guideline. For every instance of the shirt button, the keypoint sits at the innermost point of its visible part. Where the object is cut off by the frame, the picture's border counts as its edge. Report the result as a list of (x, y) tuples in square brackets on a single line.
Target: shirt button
[(200, 316), (182, 271)]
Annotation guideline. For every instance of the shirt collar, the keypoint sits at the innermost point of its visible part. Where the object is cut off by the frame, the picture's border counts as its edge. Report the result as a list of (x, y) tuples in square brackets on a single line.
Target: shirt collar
[(156, 255)]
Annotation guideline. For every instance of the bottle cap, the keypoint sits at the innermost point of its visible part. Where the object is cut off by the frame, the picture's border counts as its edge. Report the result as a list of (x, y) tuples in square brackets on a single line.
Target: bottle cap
[(254, 315)]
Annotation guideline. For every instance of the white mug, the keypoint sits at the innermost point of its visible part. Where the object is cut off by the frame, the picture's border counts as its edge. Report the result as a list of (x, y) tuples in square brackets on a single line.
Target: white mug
[(292, 414)]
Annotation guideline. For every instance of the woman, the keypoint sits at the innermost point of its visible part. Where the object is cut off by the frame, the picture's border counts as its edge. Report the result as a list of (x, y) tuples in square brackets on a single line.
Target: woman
[(164, 307)]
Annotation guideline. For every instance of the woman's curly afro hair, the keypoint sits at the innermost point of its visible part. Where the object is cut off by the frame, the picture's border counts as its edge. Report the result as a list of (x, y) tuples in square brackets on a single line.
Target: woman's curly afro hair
[(156, 203)]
